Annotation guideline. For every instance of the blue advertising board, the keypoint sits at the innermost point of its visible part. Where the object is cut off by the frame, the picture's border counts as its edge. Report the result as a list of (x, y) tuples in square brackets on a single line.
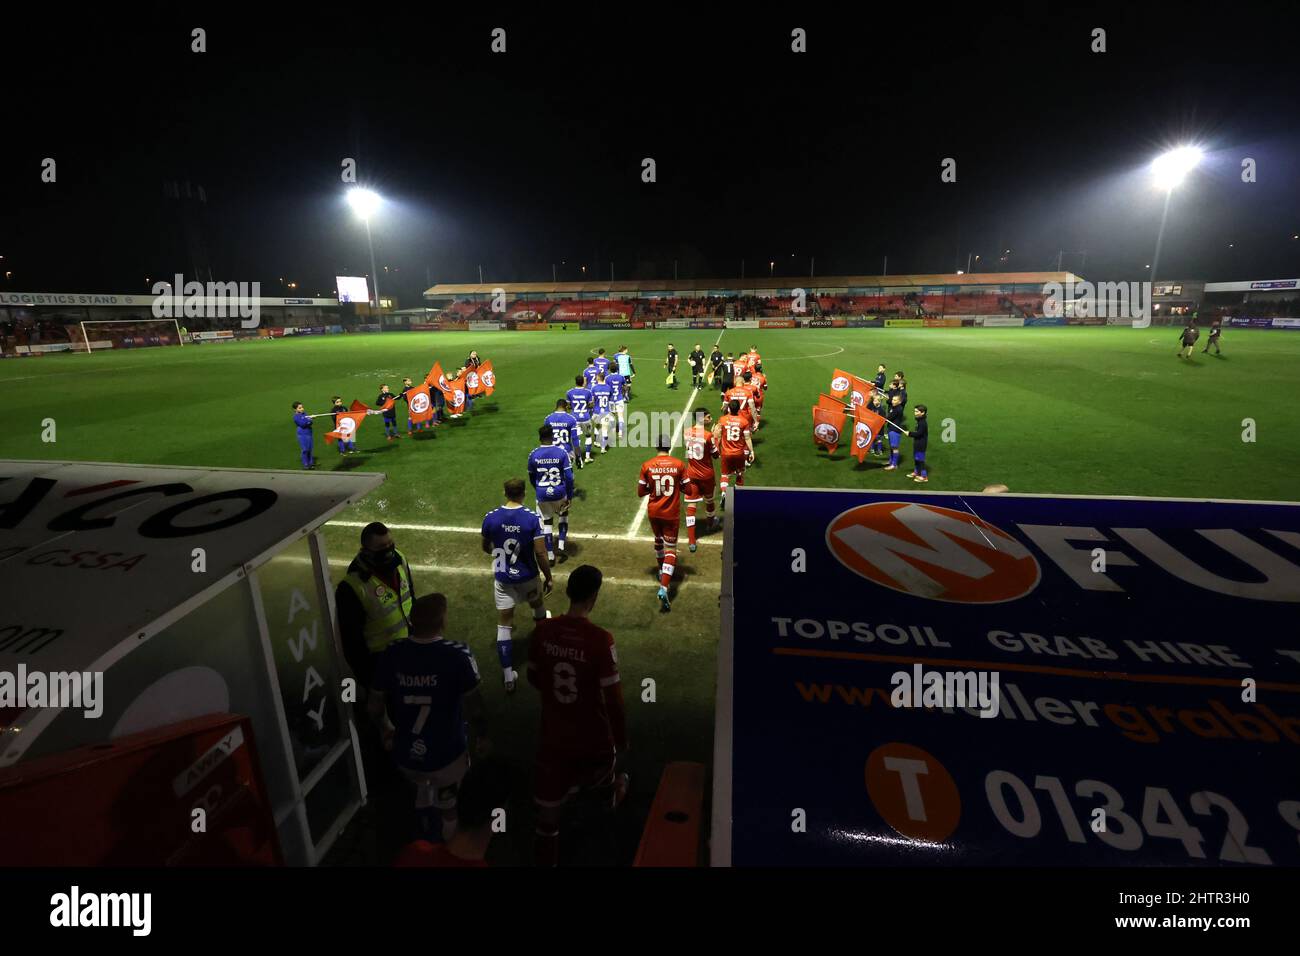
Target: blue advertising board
[(1132, 667)]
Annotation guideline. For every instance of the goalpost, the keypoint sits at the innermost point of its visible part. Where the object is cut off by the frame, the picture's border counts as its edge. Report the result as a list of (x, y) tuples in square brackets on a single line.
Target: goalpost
[(86, 336)]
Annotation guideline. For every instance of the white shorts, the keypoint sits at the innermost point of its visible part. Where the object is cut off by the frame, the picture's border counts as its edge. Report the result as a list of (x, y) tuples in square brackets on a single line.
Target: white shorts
[(439, 788), (620, 411), (604, 421), (587, 427), (516, 592), (552, 509)]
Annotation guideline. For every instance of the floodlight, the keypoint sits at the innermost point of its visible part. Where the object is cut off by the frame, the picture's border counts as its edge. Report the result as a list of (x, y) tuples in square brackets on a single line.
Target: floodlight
[(364, 202), (1172, 167)]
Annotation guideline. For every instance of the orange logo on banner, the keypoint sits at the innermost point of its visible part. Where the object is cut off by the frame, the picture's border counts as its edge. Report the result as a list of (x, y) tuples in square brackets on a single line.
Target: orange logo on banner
[(913, 792), (437, 378), (421, 403), (455, 392), (488, 377), (932, 552)]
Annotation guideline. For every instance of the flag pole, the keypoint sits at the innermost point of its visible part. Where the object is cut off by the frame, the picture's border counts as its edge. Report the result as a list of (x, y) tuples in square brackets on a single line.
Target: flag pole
[(849, 410)]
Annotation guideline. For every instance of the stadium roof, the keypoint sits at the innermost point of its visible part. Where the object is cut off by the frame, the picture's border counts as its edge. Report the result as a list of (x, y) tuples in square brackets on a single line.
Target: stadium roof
[(755, 284)]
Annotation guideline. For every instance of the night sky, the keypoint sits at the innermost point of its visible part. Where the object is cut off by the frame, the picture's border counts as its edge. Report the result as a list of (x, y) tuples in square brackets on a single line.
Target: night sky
[(519, 161)]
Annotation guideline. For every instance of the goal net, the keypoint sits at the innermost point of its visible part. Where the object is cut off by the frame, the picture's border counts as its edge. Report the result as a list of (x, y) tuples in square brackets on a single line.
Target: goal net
[(130, 333)]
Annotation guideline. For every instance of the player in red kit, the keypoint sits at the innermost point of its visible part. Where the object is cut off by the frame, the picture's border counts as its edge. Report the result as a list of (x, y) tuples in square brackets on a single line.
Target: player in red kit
[(735, 447), (757, 383), (663, 480), (701, 449), (572, 663), (742, 393)]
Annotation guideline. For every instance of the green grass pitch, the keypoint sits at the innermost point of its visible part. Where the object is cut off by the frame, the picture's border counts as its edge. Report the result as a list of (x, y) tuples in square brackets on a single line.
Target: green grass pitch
[(1108, 411)]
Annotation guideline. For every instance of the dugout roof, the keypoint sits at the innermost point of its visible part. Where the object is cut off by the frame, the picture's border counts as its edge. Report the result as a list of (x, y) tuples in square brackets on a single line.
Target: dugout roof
[(632, 288), (99, 557)]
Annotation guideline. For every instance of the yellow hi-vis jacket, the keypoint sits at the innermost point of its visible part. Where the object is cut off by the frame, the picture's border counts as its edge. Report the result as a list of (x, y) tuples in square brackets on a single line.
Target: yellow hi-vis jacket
[(388, 613)]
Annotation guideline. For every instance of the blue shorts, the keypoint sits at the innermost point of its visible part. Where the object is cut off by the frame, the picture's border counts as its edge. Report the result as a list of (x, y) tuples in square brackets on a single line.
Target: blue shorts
[(894, 439)]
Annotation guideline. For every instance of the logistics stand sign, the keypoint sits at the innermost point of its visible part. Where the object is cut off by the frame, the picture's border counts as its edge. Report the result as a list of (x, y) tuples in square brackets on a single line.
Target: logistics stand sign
[(920, 678)]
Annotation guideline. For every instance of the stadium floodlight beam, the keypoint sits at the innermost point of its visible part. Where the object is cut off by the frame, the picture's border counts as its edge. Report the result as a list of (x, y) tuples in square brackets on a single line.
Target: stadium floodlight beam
[(365, 203), (1170, 169)]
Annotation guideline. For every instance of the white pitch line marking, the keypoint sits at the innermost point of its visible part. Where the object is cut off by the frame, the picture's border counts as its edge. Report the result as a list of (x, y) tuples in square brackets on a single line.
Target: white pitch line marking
[(473, 572), (454, 529), (795, 358), (677, 433)]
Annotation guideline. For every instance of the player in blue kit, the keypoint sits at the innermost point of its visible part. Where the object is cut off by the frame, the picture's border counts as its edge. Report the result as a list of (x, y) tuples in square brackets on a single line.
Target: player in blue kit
[(589, 373), (601, 362), (618, 383), (550, 469), (513, 536), (602, 396), (581, 403), (564, 426), (423, 689), (303, 421)]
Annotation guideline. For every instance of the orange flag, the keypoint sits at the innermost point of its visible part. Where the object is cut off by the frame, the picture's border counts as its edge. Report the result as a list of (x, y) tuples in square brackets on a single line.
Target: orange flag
[(348, 423), (437, 379), (866, 427), (473, 382), (487, 377), (420, 401), (828, 424), (456, 395), (851, 388)]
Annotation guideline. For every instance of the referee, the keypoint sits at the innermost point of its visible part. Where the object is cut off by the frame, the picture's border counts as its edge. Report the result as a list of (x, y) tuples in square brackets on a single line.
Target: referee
[(696, 362), (670, 363)]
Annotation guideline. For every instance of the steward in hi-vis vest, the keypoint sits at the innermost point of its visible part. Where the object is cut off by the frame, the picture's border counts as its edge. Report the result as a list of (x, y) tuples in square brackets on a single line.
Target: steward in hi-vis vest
[(373, 601)]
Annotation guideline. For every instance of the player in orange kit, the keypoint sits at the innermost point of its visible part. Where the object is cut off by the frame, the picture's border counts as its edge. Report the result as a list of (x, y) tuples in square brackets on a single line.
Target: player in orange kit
[(663, 480), (741, 393), (749, 382), (759, 381), (701, 449), (740, 363), (735, 447)]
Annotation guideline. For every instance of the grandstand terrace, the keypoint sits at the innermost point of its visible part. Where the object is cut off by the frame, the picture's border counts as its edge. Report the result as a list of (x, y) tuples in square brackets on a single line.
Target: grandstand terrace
[(705, 302)]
